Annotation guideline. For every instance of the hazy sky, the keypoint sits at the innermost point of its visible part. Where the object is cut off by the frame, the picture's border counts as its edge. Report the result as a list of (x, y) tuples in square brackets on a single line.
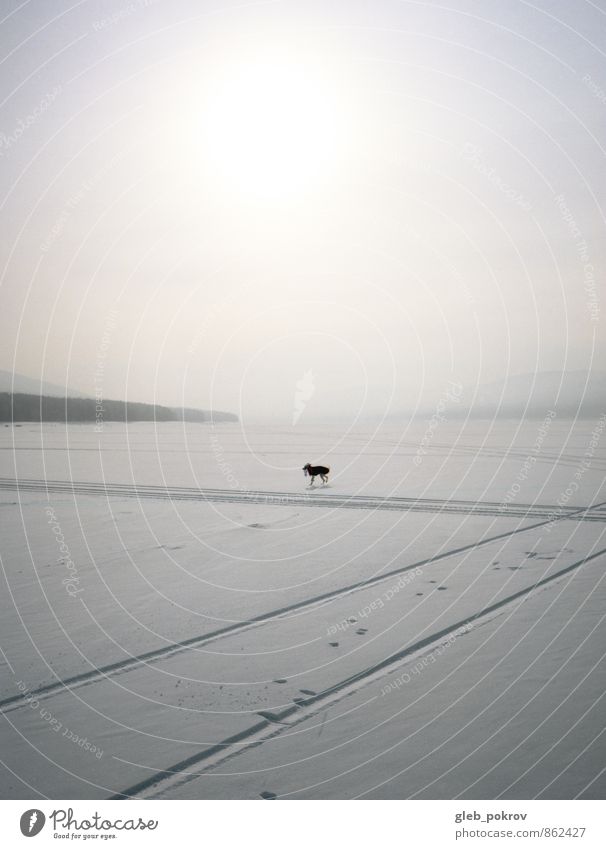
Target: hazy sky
[(352, 203)]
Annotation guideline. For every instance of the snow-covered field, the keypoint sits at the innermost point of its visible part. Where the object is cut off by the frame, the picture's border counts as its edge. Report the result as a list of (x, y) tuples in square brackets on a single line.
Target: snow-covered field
[(180, 619)]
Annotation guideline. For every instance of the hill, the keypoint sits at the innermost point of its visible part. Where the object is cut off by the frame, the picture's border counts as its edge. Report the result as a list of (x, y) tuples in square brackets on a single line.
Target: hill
[(573, 393), (26, 407), (12, 381)]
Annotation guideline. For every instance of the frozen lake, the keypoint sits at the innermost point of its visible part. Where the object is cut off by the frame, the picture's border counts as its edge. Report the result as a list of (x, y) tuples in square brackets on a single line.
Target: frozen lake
[(181, 618)]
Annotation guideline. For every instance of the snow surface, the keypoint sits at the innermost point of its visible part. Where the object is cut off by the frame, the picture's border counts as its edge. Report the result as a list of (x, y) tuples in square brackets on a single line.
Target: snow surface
[(482, 698)]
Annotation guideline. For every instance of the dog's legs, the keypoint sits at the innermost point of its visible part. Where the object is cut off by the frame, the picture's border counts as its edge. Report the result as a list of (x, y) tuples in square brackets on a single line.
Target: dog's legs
[(312, 481)]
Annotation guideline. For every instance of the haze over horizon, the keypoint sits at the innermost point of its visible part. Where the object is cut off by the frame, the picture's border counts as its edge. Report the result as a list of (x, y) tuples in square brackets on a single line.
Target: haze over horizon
[(349, 204)]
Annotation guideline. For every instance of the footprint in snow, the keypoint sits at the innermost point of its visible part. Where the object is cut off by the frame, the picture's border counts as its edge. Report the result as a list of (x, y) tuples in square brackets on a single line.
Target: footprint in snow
[(267, 795), (280, 680), (418, 593), (334, 645), (308, 692), (362, 631), (442, 588)]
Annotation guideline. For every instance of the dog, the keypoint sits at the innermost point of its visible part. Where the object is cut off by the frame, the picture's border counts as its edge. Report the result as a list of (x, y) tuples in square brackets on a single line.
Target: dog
[(313, 471)]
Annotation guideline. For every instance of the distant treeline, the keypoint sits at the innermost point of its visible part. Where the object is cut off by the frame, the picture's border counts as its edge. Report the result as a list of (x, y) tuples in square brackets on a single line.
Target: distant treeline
[(20, 407), (187, 414)]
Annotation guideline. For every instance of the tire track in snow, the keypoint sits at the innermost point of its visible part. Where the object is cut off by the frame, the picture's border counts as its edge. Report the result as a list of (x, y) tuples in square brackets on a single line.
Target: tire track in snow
[(438, 449), (118, 667), (269, 727), (278, 499)]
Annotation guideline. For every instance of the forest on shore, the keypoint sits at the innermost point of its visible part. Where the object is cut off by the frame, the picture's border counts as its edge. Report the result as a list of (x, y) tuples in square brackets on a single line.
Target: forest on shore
[(22, 407)]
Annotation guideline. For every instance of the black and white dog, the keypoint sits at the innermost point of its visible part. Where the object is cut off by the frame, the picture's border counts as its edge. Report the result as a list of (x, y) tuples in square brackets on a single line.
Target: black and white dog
[(313, 471)]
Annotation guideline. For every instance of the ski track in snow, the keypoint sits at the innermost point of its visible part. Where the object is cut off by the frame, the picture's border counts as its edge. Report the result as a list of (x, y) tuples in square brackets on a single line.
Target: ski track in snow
[(123, 666), (272, 725), (595, 513)]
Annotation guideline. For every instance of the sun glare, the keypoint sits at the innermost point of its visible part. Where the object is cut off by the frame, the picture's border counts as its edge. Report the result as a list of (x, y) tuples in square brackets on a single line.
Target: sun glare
[(269, 127)]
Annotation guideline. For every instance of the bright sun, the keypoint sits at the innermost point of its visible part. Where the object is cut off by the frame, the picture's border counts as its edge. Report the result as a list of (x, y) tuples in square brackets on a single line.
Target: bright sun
[(269, 126)]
